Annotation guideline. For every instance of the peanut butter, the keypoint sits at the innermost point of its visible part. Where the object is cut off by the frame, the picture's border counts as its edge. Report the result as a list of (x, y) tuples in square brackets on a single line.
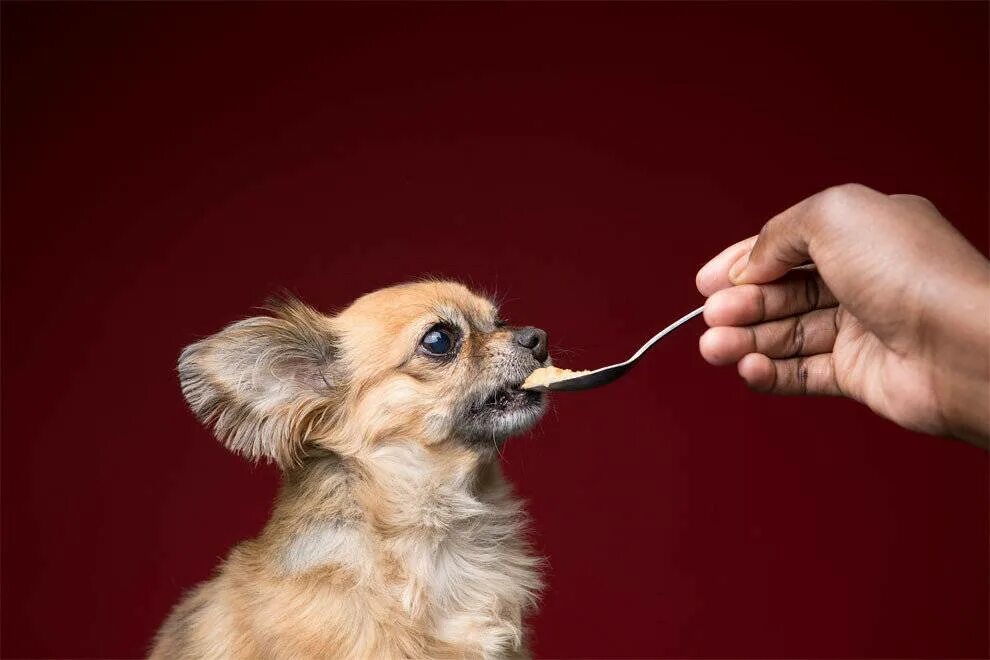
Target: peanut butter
[(544, 376)]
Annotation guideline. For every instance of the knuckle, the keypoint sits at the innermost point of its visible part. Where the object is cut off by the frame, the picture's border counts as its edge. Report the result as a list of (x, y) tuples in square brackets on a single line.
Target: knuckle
[(846, 191), (759, 302), (753, 339), (802, 376), (914, 200), (835, 202), (838, 206), (775, 379), (797, 335)]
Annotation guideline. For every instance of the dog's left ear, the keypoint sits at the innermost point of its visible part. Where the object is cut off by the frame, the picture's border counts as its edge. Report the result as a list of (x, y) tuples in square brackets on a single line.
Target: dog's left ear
[(265, 384)]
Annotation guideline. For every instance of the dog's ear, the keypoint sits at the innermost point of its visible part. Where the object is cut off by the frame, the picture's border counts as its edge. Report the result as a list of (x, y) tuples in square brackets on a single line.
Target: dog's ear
[(265, 384)]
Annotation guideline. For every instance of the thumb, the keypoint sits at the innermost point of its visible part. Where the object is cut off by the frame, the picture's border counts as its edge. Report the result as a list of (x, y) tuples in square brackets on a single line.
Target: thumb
[(783, 243)]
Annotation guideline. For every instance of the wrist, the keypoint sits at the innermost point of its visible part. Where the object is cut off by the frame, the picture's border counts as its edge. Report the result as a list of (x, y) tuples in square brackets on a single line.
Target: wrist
[(962, 365)]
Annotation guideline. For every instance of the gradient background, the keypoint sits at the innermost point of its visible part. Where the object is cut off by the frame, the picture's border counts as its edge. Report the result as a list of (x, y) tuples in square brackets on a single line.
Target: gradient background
[(166, 167)]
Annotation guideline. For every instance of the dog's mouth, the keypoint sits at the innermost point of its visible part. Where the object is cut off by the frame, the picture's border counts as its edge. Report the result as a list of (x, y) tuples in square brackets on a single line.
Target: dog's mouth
[(510, 397), (505, 411)]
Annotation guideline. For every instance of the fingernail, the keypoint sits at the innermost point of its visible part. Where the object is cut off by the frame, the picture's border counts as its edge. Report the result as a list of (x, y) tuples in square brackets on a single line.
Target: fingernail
[(738, 268)]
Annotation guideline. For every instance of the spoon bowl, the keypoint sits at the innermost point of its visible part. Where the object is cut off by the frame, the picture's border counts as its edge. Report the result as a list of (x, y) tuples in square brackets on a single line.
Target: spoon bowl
[(606, 375)]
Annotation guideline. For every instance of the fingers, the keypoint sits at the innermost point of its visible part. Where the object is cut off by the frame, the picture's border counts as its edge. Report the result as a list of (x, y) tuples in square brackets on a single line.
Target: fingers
[(750, 303), (714, 275), (798, 376), (807, 334)]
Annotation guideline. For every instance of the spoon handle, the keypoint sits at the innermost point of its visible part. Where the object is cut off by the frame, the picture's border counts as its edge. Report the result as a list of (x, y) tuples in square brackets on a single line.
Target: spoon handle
[(660, 335)]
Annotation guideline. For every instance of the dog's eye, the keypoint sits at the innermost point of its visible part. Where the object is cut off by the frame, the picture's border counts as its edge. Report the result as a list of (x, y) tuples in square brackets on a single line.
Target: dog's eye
[(437, 340)]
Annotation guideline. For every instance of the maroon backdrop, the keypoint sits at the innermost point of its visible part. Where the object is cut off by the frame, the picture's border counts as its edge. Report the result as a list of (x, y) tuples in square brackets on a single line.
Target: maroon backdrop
[(166, 167)]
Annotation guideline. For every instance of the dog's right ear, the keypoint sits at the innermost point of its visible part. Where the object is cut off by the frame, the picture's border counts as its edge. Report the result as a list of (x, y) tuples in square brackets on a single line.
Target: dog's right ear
[(265, 384)]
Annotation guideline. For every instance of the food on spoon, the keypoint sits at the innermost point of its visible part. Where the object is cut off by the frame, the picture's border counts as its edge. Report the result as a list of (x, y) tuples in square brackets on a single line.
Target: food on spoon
[(544, 376)]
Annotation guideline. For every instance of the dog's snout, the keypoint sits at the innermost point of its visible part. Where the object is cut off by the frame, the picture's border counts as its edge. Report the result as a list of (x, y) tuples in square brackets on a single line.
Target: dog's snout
[(533, 339)]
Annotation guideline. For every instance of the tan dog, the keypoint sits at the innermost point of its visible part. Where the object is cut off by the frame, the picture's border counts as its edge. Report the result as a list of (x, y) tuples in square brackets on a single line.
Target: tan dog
[(394, 533)]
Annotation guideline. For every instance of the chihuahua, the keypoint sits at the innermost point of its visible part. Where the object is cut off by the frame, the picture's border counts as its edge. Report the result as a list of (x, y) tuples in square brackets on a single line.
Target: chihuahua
[(394, 533)]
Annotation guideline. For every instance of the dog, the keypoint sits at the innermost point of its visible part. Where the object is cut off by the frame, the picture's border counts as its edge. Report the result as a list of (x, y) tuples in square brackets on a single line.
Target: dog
[(394, 533)]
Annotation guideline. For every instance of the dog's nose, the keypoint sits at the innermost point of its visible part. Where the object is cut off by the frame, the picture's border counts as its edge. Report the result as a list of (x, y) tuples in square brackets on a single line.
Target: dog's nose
[(535, 340)]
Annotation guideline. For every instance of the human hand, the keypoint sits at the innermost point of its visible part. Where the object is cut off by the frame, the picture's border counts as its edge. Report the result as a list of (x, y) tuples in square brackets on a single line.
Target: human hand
[(897, 315)]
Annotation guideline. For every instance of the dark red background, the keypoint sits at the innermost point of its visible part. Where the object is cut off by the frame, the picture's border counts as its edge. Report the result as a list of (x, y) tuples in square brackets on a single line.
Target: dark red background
[(166, 167)]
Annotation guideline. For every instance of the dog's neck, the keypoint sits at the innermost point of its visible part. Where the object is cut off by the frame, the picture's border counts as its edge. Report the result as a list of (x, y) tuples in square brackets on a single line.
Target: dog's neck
[(393, 489), (404, 500), (439, 531)]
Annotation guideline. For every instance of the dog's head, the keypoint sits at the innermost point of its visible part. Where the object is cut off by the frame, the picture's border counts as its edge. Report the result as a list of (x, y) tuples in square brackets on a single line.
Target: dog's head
[(427, 362)]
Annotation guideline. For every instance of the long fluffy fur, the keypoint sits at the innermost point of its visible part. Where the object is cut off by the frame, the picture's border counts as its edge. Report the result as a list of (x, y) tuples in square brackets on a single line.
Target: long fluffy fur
[(391, 536)]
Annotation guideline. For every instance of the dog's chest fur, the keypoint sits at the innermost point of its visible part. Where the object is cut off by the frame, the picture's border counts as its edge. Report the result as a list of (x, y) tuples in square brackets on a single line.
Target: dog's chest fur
[(400, 557)]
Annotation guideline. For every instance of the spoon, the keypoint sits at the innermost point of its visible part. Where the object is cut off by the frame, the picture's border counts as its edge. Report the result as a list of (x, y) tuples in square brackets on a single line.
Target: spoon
[(585, 380)]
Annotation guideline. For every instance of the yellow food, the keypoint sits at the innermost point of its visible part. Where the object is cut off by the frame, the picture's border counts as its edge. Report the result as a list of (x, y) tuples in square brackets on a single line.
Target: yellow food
[(544, 376)]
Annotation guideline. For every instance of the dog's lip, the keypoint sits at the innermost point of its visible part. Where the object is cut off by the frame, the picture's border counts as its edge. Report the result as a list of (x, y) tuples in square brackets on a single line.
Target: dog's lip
[(513, 392)]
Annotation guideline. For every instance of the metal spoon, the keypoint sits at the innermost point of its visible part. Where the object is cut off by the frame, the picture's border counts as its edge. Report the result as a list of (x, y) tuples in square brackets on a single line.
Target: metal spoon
[(605, 375)]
